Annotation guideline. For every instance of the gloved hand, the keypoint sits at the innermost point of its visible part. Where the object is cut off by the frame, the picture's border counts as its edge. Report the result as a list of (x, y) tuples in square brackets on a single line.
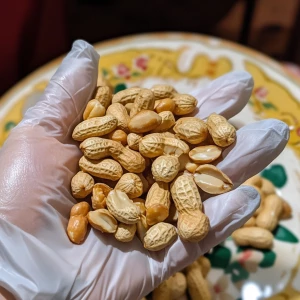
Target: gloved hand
[(37, 260)]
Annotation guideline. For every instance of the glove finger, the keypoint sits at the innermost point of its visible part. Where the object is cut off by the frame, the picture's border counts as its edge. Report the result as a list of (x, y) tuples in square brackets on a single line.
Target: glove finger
[(67, 93), (237, 207), (226, 95)]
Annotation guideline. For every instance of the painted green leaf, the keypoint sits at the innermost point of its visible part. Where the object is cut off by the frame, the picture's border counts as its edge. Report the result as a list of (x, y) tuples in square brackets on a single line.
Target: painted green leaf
[(268, 260), (104, 72), (276, 174), (237, 272), (220, 257), (283, 234), (119, 87), (135, 74), (9, 125), (268, 105)]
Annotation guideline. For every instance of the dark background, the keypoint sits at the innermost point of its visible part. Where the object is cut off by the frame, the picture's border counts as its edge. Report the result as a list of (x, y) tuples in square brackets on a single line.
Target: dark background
[(33, 32)]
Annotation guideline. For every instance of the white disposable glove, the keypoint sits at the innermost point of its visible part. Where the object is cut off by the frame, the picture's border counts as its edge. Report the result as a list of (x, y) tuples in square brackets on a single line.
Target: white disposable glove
[(38, 160)]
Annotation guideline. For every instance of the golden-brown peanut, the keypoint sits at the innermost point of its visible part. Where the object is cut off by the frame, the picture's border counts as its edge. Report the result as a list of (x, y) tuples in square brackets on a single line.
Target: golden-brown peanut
[(178, 285), (144, 121), (118, 135), (166, 104), (120, 113), (184, 104), (133, 140), (126, 96), (196, 283), (162, 292), (104, 96), (106, 168), (162, 91), (155, 144), (184, 159), (94, 127), (269, 215), (122, 208), (141, 204), (160, 236), (165, 168), (130, 160), (205, 265), (80, 209), (141, 228), (190, 129), (131, 184), (205, 154), (222, 132), (212, 180), (93, 109), (250, 223), (77, 229), (125, 232), (143, 101), (128, 107), (286, 212), (255, 180), (82, 185), (267, 187), (157, 203), (103, 220), (253, 236), (167, 121), (100, 192)]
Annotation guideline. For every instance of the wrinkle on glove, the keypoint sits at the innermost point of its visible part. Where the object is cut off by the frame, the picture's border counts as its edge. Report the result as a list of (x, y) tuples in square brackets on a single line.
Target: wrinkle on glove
[(38, 160)]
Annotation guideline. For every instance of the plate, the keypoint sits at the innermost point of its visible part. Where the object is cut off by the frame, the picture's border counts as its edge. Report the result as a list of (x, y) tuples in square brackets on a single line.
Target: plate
[(188, 61)]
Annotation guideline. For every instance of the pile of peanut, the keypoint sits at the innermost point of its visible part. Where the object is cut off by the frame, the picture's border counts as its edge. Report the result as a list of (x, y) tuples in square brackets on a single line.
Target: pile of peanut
[(257, 231), (146, 165)]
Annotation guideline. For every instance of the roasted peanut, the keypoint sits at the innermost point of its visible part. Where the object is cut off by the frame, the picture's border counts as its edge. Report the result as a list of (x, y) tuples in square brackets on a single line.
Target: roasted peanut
[(82, 185), (222, 132), (101, 81), (159, 236), (93, 109), (118, 135), (204, 264), (126, 96), (267, 187), (162, 292), (120, 113), (104, 96), (190, 129), (286, 212), (131, 184), (166, 104), (255, 180), (205, 154), (125, 232), (94, 127), (144, 121), (122, 208), (141, 228), (157, 203), (103, 220), (143, 101), (167, 121), (253, 236), (100, 192), (141, 204), (162, 91), (133, 140), (184, 104), (269, 215), (77, 228), (165, 168), (80, 209), (250, 223), (212, 180), (128, 107)]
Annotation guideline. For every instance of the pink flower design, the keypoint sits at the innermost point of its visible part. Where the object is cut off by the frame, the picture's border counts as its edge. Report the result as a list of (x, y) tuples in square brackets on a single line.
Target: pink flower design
[(122, 71), (249, 260), (219, 289), (261, 93), (141, 63)]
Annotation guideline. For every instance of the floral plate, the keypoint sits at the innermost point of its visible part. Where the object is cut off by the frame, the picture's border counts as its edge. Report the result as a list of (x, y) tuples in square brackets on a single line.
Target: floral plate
[(188, 61)]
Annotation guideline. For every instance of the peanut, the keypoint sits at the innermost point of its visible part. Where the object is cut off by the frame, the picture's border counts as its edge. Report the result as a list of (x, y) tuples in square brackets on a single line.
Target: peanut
[(165, 168), (93, 109), (157, 203), (184, 104), (145, 182), (269, 215), (128, 107), (141, 204), (162, 91), (82, 185), (154, 145), (143, 101), (118, 135), (77, 228), (101, 81), (253, 236), (166, 104), (94, 127), (221, 131), (131, 184), (104, 96), (162, 292), (106, 168), (212, 180), (143, 121), (118, 111), (255, 180), (103, 220), (205, 154), (167, 121), (100, 192), (250, 223), (204, 264), (286, 212), (133, 140), (122, 208), (190, 129), (80, 209), (125, 232), (267, 187), (160, 236), (126, 96), (141, 228)]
